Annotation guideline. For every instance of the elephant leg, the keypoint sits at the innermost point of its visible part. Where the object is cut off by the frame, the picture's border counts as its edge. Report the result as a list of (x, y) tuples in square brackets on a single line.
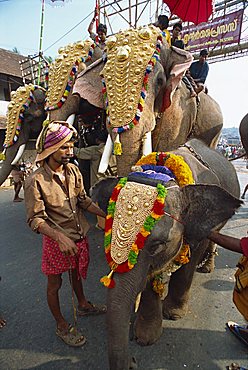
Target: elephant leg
[(175, 305), (207, 264), (148, 324)]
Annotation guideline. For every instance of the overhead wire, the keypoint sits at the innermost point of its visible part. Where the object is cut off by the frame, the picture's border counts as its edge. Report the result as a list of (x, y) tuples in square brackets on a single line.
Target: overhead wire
[(84, 19)]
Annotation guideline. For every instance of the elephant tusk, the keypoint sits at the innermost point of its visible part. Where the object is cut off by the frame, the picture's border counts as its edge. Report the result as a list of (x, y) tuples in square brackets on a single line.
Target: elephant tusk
[(70, 119), (147, 143), (137, 302), (106, 155), (19, 154)]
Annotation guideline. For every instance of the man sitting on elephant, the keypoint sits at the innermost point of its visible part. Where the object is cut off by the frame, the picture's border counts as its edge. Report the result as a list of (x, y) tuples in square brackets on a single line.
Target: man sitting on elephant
[(199, 71), (175, 41), (55, 198), (162, 23)]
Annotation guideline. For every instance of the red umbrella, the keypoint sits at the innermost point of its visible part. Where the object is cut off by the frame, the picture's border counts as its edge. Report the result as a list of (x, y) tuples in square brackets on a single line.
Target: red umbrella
[(196, 11)]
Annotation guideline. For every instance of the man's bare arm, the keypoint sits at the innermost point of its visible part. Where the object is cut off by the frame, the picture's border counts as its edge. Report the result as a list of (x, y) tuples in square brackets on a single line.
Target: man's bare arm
[(95, 210), (225, 241)]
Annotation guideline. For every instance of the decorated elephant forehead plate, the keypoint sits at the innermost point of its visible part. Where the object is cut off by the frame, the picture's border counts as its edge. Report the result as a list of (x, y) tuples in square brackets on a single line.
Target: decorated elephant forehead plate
[(62, 68), (128, 54), (133, 206), (20, 100)]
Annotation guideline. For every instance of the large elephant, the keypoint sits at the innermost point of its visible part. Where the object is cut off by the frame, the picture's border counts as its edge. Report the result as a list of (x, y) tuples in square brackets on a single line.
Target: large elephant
[(243, 130), (189, 213), (22, 126), (27, 115), (143, 92)]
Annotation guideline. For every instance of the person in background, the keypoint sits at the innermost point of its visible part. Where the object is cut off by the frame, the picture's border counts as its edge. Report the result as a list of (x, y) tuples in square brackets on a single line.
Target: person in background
[(17, 174), (240, 293), (93, 153), (245, 190), (100, 38), (178, 43), (55, 201), (199, 71), (176, 32), (162, 23)]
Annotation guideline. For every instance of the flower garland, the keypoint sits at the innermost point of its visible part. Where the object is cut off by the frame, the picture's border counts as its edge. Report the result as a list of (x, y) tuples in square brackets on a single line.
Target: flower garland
[(159, 281), (156, 213), (174, 162), (71, 78), (184, 176), (143, 94)]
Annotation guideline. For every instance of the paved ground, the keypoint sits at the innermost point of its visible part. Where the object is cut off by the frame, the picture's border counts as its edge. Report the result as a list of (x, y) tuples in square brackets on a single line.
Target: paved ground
[(199, 341)]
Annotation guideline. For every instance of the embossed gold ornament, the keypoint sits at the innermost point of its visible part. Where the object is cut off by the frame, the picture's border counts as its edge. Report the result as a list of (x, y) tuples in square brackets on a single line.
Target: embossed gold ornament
[(130, 218), (111, 41), (14, 109), (145, 33), (60, 69), (124, 71)]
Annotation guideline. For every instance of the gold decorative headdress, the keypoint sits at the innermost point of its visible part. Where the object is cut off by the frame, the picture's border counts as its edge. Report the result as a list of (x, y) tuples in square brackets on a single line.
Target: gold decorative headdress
[(129, 55), (63, 70), (20, 101)]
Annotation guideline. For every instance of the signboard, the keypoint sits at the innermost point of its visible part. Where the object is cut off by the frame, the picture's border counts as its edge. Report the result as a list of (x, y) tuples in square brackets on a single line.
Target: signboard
[(220, 31)]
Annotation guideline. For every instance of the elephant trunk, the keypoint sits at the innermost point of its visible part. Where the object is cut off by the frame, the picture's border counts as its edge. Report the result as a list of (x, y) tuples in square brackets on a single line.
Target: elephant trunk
[(120, 304)]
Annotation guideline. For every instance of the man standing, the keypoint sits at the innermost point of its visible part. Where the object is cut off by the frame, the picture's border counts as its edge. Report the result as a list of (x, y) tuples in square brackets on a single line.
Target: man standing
[(55, 199), (17, 174), (199, 70)]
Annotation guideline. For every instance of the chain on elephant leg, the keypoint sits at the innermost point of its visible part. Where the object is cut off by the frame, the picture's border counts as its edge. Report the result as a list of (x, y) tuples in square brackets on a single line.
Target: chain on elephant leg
[(207, 263)]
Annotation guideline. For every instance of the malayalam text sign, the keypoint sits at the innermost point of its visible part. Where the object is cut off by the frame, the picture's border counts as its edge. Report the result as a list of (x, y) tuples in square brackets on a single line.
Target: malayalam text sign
[(220, 31)]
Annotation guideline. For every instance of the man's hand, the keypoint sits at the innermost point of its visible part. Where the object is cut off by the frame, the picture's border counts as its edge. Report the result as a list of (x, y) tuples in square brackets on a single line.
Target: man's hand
[(66, 245), (96, 13)]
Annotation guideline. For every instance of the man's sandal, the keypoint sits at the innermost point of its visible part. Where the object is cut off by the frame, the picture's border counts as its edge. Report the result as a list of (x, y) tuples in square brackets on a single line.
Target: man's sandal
[(72, 337), (241, 332), (234, 366), (94, 309)]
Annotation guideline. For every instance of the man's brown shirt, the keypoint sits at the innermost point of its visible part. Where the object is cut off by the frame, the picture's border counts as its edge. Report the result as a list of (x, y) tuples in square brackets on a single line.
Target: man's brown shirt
[(47, 200)]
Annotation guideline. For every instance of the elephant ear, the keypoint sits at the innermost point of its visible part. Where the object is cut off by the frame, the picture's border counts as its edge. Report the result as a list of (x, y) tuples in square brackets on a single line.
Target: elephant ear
[(205, 207), (89, 84), (101, 192), (176, 64)]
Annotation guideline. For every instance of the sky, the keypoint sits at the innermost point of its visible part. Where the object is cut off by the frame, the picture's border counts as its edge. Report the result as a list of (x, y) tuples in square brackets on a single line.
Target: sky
[(20, 25)]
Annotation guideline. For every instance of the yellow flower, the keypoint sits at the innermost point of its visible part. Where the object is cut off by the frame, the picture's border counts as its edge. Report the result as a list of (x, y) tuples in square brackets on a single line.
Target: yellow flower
[(130, 265), (135, 248), (148, 159), (154, 215), (144, 232)]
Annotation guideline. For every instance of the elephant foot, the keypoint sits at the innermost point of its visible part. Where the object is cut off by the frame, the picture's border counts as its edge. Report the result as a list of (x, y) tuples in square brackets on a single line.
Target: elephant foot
[(207, 265), (147, 332), (172, 311)]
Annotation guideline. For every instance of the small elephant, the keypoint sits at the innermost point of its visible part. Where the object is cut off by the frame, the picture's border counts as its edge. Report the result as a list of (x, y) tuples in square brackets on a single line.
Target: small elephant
[(190, 212)]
